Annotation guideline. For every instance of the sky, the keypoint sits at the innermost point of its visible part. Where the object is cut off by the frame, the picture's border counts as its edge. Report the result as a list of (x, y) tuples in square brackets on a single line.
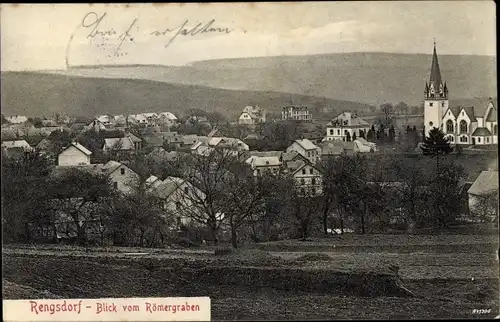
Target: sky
[(44, 36)]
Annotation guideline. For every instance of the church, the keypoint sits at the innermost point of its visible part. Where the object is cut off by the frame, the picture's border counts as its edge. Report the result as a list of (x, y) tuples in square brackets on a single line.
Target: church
[(465, 125)]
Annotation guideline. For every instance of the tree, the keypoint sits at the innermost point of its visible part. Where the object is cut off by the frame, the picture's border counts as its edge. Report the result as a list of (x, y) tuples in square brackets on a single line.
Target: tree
[(23, 194), (370, 136), (79, 194), (392, 133), (443, 195), (486, 206), (402, 108), (209, 176), (436, 145), (387, 111), (245, 194), (304, 207)]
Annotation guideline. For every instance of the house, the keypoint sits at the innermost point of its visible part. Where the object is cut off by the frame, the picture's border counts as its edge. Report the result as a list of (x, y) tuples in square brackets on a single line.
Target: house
[(308, 179), (363, 146), (308, 149), (179, 198), (106, 120), (167, 118), (262, 165), (137, 119), (16, 119), (135, 140), (19, 144), (201, 148), (296, 113), (118, 144), (152, 183), (483, 195), (124, 179), (229, 144), (346, 127), (151, 118), (119, 120), (74, 155), (330, 149), (315, 136), (464, 125), (95, 125), (252, 115)]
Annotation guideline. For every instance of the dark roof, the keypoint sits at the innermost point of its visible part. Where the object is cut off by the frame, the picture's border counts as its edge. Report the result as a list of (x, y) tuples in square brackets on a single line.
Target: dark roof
[(481, 131), (455, 110), (470, 113), (492, 115), (480, 104), (435, 72)]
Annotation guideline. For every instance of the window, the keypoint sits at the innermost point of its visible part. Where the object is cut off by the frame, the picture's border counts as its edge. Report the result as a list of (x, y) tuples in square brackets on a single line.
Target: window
[(487, 140), (122, 171), (463, 126), (311, 171), (495, 129), (431, 124), (449, 126), (302, 181), (478, 140), (303, 171), (186, 189), (430, 104), (442, 104), (338, 132), (331, 132), (313, 181)]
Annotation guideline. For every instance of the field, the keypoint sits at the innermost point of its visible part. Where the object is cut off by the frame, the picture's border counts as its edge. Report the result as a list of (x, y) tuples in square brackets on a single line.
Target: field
[(343, 277)]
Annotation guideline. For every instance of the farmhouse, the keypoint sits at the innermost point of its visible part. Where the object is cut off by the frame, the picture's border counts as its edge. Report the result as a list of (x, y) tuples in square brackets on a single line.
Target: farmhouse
[(124, 179), (308, 179), (264, 165), (74, 155), (483, 195), (306, 148)]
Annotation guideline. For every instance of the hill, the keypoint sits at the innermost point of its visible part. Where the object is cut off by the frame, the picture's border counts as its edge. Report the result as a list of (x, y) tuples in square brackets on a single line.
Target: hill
[(371, 78), (37, 94)]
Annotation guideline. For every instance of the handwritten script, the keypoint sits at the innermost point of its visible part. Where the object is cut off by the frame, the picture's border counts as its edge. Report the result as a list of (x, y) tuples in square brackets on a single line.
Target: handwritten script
[(116, 38)]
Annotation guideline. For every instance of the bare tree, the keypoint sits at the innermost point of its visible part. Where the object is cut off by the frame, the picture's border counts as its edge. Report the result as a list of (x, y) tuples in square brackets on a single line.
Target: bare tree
[(388, 113), (486, 206)]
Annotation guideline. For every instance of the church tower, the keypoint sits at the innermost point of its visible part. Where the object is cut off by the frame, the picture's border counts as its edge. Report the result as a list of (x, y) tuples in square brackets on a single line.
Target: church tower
[(436, 97)]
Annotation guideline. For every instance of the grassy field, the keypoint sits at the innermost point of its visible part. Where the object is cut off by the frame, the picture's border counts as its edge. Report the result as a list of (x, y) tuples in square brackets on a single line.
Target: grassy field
[(265, 284)]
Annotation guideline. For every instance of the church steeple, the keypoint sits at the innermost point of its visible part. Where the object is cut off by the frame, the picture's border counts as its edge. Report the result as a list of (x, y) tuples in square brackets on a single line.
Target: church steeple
[(436, 87)]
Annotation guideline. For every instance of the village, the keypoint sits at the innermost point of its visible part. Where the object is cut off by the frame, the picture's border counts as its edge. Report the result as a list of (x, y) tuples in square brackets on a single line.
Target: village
[(181, 165)]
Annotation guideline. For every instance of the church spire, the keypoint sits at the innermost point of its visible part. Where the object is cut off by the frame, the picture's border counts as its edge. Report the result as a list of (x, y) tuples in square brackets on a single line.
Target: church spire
[(435, 72)]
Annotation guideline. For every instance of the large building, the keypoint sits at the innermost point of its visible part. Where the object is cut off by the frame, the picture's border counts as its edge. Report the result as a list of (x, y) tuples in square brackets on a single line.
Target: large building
[(346, 127), (296, 113), (466, 125)]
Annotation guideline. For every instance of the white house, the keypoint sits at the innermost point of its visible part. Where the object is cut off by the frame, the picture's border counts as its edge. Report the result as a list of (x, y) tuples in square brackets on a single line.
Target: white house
[(74, 155), (95, 125), (252, 115), (265, 165), (137, 119), (464, 125), (345, 127), (296, 113), (124, 179), (167, 117), (106, 120), (308, 149), (16, 119), (201, 148), (483, 194), (308, 179)]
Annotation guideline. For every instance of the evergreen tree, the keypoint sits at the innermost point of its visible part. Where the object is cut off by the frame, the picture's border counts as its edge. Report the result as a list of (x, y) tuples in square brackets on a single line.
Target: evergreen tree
[(436, 144), (370, 135)]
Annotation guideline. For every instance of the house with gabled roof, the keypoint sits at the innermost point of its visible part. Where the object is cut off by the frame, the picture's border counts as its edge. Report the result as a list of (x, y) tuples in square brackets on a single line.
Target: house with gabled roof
[(74, 155), (483, 195), (124, 179), (308, 179), (118, 144), (265, 165), (252, 115), (306, 148), (16, 119)]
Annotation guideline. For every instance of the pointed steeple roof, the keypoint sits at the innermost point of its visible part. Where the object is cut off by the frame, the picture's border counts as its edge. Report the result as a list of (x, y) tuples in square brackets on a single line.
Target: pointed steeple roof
[(435, 72)]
